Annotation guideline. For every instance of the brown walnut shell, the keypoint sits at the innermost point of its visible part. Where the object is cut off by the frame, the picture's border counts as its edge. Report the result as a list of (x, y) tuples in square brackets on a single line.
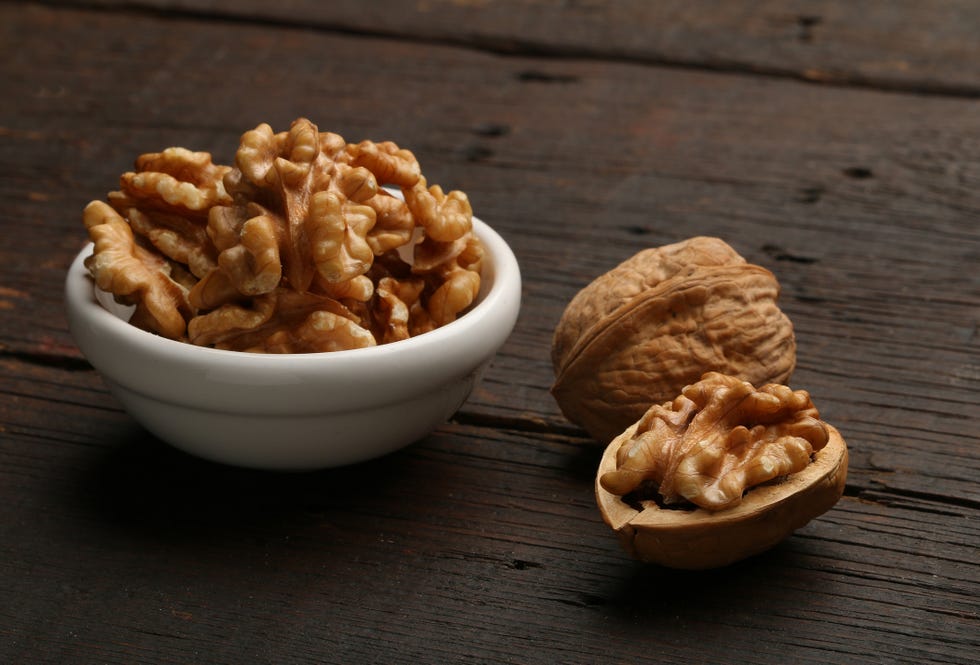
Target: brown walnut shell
[(638, 334), (697, 539)]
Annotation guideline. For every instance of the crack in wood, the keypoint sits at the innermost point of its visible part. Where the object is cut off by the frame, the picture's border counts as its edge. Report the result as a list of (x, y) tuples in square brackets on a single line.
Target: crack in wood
[(858, 172), (67, 363), (521, 564), (806, 24), (529, 424), (780, 254), (538, 76), (898, 497), (491, 129)]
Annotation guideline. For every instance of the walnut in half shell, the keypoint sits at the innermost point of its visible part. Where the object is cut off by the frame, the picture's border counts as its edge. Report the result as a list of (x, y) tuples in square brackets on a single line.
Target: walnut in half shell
[(722, 472), (639, 333)]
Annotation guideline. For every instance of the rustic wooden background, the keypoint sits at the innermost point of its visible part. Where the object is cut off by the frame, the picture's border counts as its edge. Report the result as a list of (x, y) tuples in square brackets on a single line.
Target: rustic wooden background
[(836, 143)]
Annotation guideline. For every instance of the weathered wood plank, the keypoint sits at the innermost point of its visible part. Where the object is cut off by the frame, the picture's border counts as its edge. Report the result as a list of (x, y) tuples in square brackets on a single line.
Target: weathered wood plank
[(863, 203), (929, 47), (475, 544), (482, 542)]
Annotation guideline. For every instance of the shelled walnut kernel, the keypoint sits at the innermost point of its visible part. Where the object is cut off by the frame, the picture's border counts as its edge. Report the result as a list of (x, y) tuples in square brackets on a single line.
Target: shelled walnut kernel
[(717, 439), (297, 248)]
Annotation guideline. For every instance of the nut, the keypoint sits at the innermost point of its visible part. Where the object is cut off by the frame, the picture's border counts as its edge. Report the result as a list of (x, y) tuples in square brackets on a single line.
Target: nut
[(166, 201), (722, 472), (134, 275), (286, 251), (639, 333), (281, 322), (445, 217), (176, 180)]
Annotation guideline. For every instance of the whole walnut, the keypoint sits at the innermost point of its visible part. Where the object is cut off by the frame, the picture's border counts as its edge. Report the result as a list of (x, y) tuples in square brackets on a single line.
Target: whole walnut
[(657, 322)]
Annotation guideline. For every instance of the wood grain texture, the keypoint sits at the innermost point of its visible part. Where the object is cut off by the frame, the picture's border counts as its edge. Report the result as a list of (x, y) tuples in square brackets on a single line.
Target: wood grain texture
[(472, 545), (482, 543), (906, 45)]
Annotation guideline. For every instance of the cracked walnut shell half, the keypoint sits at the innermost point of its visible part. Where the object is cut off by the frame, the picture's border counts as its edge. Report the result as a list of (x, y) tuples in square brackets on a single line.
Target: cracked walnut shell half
[(642, 331), (722, 472)]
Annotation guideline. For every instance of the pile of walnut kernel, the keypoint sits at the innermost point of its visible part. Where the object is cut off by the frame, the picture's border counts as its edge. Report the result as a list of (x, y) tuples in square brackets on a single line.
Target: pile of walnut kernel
[(298, 248)]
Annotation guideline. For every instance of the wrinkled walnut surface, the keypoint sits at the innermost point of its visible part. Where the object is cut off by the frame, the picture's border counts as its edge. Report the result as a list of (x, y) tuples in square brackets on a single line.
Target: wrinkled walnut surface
[(720, 437), (736, 469), (297, 248), (638, 334)]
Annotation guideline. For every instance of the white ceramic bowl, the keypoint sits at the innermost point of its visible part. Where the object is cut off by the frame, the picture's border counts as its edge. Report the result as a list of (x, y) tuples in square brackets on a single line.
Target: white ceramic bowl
[(302, 411)]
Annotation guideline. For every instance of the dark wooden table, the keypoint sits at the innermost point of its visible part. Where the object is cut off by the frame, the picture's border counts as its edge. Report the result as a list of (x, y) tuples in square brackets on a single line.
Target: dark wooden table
[(836, 143)]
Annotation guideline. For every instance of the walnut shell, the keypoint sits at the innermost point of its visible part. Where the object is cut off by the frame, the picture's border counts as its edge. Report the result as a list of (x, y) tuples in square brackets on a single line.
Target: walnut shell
[(699, 539), (638, 334)]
